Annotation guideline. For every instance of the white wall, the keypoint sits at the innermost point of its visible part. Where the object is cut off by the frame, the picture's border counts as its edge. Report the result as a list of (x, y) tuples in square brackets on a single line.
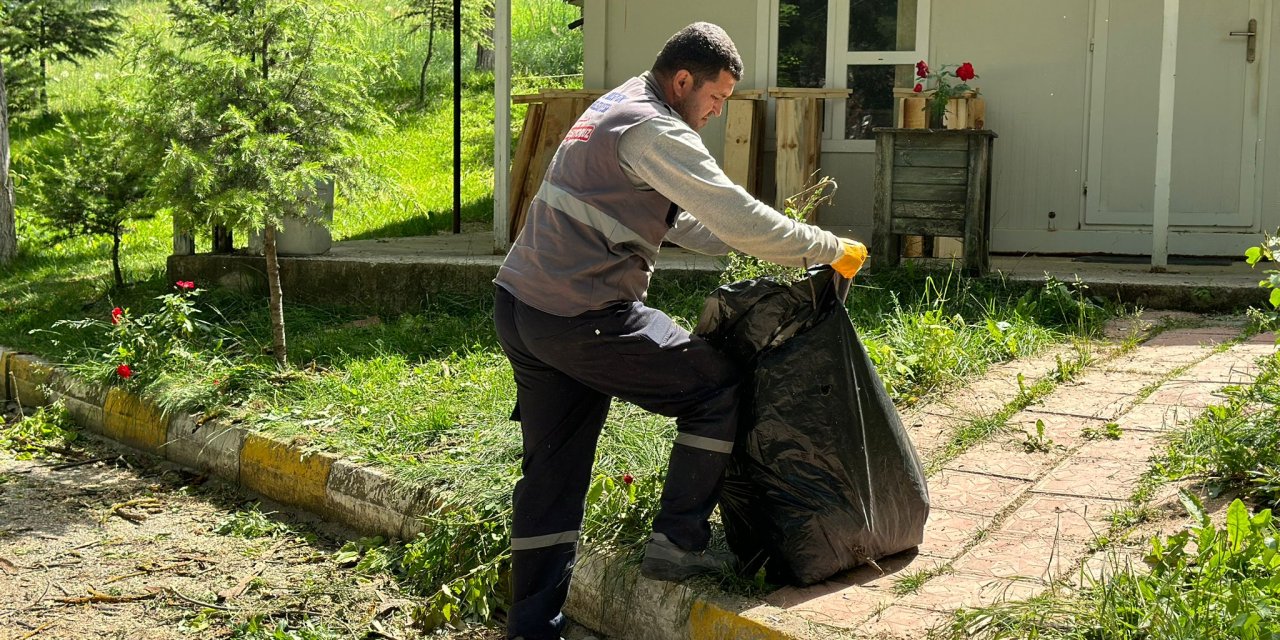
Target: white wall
[(1031, 57), (635, 31)]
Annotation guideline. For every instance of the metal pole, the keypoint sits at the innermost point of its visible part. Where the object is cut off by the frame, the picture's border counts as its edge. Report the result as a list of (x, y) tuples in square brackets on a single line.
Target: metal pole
[(1164, 139), (457, 116)]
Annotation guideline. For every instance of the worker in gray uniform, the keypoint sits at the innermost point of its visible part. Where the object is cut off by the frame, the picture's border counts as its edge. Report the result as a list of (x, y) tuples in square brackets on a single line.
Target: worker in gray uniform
[(631, 173)]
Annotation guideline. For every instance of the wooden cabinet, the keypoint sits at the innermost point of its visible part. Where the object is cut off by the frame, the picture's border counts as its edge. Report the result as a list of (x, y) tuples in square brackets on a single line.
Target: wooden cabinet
[(933, 182)]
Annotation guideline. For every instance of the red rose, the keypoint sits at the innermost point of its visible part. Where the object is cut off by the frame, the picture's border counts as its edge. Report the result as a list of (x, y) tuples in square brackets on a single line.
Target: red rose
[(628, 478), (124, 371), (185, 285), (919, 87), (922, 69), (116, 313), (965, 72)]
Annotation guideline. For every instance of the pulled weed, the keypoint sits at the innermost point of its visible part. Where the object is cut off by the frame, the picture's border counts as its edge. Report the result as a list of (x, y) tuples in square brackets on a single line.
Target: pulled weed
[(39, 435)]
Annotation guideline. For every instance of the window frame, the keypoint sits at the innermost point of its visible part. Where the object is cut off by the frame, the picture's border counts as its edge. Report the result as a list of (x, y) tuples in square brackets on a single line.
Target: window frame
[(839, 58)]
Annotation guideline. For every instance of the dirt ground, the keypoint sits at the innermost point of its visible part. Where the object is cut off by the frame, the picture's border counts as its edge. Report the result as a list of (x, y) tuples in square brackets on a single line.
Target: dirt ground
[(124, 546)]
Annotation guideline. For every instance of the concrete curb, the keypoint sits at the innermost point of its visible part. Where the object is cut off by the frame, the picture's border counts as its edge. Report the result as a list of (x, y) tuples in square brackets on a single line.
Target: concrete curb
[(608, 595)]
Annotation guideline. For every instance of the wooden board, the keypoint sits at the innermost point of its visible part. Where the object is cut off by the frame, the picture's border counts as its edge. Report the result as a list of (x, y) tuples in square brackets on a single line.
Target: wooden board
[(520, 168), (551, 94), (929, 192), (743, 133), (927, 227), (814, 93), (799, 145), (977, 230), (930, 175), (930, 158), (933, 141), (918, 209), (884, 245), (558, 116)]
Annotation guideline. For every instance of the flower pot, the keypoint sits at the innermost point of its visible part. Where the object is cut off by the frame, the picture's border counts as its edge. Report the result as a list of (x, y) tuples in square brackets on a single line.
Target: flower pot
[(914, 115), (963, 112), (304, 233)]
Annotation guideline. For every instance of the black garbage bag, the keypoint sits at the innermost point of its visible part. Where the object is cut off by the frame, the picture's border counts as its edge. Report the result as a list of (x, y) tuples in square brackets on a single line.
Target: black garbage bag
[(823, 477)]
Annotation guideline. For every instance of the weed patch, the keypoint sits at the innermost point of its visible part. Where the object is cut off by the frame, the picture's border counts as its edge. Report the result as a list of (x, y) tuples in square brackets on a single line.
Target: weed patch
[(1205, 582)]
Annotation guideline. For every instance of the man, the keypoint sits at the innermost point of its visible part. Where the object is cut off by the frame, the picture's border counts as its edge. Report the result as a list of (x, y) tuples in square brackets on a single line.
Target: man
[(570, 315)]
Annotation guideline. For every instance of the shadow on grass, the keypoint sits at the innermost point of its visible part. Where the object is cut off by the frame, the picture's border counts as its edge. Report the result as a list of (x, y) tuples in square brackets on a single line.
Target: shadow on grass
[(480, 210)]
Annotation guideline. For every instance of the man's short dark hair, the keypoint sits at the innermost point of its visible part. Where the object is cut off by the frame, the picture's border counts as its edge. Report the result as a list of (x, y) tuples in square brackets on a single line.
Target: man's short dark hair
[(703, 49)]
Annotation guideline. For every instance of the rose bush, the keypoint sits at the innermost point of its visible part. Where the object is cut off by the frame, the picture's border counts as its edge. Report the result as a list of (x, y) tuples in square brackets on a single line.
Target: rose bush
[(940, 84)]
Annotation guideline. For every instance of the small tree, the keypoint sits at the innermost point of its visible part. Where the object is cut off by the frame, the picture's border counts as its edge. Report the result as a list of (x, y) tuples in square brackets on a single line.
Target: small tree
[(42, 31), (94, 189), (8, 230), (437, 15), (251, 103)]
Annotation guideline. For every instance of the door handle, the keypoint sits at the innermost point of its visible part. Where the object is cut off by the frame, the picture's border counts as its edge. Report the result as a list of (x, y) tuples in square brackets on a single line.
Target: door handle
[(1252, 34)]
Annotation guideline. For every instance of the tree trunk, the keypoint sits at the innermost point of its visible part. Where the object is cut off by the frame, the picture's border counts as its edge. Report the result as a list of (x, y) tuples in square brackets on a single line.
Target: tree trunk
[(276, 304), (8, 232), (484, 54), (44, 85), (223, 242), (422, 77), (115, 256), (44, 79)]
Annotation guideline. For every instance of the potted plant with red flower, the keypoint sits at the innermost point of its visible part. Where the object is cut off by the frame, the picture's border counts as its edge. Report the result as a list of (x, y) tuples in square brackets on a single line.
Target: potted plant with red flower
[(941, 91)]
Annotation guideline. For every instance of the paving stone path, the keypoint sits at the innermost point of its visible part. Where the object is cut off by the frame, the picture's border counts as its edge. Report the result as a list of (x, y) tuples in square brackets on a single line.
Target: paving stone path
[(1012, 515)]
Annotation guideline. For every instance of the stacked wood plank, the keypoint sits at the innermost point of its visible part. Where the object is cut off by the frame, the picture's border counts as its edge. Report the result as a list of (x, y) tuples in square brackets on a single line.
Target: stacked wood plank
[(798, 125), (550, 115), (743, 135)]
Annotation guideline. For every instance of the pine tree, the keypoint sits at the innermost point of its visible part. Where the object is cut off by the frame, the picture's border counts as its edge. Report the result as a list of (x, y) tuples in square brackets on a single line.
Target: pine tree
[(8, 232), (38, 32), (96, 188), (252, 103), (437, 15)]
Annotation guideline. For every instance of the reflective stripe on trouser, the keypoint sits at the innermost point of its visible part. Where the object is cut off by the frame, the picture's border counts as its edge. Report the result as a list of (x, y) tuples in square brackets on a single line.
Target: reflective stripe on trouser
[(567, 370)]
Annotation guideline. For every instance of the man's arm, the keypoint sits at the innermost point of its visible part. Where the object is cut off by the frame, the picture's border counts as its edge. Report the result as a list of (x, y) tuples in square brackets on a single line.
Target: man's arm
[(669, 157), (694, 236)]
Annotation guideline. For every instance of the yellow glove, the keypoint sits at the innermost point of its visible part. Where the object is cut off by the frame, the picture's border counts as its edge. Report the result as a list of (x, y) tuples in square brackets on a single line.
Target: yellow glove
[(855, 254)]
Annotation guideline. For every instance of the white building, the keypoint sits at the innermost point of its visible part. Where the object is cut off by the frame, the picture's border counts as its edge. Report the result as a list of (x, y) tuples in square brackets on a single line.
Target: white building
[(1073, 90)]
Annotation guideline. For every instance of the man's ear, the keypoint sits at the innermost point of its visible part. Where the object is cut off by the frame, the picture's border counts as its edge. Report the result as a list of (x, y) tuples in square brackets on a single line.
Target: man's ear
[(682, 82)]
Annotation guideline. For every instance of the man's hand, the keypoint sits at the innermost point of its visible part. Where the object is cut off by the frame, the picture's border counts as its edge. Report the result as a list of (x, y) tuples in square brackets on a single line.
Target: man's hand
[(855, 254)]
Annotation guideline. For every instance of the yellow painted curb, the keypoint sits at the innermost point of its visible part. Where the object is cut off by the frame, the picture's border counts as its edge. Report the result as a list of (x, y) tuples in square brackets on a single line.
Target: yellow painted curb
[(27, 378), (133, 421), (709, 622), (280, 472)]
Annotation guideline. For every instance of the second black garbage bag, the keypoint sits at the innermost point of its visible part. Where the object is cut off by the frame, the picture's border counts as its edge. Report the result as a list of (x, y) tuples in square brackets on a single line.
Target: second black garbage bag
[(823, 477)]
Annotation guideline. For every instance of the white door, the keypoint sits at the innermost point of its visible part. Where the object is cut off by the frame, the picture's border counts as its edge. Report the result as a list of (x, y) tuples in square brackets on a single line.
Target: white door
[(1216, 121)]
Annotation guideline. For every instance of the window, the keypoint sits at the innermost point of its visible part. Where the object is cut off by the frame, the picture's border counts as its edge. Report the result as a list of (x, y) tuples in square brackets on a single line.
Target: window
[(868, 46)]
